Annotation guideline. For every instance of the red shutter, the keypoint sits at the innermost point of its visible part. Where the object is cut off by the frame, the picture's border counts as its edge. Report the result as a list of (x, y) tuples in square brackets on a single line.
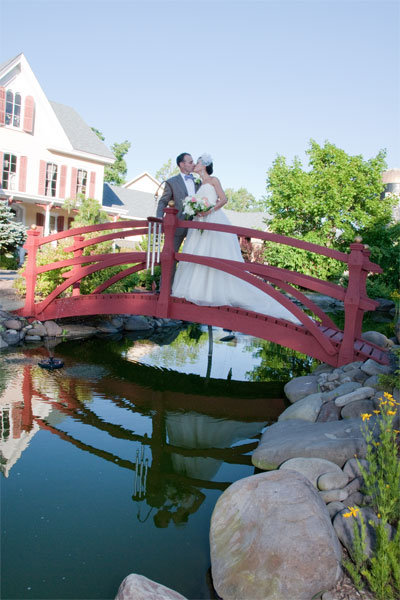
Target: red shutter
[(2, 105), (1, 168), (42, 177), (23, 162), (40, 219), (70, 220), (92, 186), (60, 223), (74, 176), (29, 112), (63, 180)]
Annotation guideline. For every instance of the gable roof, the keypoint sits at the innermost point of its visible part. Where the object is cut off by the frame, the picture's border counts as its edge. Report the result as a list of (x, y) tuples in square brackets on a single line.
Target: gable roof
[(138, 204), (78, 132), (140, 176)]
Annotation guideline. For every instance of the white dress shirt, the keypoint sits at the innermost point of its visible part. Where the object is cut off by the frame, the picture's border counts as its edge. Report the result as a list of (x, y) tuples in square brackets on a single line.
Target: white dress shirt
[(189, 183)]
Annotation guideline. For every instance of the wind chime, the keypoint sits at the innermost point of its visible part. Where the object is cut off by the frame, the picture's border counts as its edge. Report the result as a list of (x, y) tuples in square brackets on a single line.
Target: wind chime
[(153, 245)]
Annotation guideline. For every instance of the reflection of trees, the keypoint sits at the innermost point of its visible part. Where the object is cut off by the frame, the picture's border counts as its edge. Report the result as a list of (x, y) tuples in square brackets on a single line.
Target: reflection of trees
[(183, 349), (277, 362)]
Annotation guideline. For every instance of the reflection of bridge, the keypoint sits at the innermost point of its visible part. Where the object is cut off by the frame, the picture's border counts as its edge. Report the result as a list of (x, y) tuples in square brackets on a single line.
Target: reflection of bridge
[(171, 468), (317, 336)]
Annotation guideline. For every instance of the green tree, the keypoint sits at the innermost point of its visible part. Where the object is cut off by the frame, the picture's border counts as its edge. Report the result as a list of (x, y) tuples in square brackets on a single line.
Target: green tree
[(169, 169), (90, 211), (12, 235), (116, 172), (336, 198), (242, 201)]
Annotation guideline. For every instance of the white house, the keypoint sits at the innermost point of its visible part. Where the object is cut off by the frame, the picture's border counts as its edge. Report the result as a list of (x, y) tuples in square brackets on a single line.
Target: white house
[(47, 152)]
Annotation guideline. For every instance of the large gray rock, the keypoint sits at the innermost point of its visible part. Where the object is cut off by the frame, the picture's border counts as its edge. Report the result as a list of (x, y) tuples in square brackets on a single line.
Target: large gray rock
[(138, 587), (352, 467), (3, 343), (332, 480), (306, 409), (52, 329), (299, 387), (38, 329), (72, 331), (336, 441), (137, 323), (11, 336), (357, 408), (371, 367), (345, 532), (377, 338), (13, 324), (340, 390), (329, 412), (312, 468), (271, 538), (360, 394)]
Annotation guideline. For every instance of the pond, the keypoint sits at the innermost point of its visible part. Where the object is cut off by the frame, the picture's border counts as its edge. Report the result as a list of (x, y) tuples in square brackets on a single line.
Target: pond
[(113, 464)]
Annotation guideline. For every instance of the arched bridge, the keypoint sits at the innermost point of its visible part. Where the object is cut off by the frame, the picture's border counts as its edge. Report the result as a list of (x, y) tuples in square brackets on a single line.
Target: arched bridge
[(317, 336)]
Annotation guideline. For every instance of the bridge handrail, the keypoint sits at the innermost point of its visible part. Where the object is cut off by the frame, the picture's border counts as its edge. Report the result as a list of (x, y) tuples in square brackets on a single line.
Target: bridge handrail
[(90, 228)]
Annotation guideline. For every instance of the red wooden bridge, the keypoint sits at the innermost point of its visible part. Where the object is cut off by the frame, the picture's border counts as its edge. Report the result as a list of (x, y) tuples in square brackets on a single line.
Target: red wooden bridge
[(317, 336)]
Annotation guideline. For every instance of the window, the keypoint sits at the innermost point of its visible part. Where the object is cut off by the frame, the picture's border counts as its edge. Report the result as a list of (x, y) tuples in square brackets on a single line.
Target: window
[(9, 176), (81, 181), (13, 109), (5, 424), (50, 185)]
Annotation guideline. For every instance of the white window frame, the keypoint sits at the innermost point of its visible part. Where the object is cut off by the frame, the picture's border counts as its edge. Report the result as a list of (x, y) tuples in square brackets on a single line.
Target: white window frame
[(12, 176), (79, 184), (48, 182), (12, 115)]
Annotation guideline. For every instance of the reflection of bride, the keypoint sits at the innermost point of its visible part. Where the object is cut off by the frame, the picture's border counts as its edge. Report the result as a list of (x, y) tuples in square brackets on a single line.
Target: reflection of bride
[(193, 430), (212, 287)]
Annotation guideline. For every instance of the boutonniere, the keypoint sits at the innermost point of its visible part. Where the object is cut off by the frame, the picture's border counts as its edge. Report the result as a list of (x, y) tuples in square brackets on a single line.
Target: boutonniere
[(197, 180)]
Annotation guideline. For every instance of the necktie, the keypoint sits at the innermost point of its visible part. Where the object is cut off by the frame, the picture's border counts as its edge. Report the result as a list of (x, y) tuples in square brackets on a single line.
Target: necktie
[(189, 177)]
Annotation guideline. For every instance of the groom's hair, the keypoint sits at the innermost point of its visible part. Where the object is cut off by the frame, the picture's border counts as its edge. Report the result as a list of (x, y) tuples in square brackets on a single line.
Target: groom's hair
[(181, 157)]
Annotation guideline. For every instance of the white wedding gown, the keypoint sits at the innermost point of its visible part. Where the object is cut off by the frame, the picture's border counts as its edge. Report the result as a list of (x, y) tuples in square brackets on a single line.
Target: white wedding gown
[(206, 286)]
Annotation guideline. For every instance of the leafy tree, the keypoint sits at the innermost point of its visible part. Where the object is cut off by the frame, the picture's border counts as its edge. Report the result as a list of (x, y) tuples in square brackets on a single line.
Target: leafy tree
[(12, 235), (169, 169), (90, 211), (116, 172), (338, 197), (242, 201)]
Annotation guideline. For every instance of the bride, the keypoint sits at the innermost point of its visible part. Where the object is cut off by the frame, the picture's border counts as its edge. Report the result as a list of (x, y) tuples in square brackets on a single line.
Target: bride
[(211, 287)]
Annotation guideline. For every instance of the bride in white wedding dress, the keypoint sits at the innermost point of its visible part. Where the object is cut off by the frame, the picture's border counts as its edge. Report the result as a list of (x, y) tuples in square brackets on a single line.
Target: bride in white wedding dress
[(206, 286)]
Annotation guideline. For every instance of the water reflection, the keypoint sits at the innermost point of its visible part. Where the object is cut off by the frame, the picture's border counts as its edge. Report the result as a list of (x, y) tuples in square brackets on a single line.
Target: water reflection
[(173, 442)]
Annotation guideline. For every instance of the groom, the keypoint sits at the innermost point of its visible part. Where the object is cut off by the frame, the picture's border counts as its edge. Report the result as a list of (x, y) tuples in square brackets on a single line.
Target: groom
[(176, 189)]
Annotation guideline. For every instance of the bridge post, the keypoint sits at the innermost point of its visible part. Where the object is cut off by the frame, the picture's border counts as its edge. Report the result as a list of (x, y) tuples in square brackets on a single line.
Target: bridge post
[(31, 246), (167, 261), (76, 287), (356, 289)]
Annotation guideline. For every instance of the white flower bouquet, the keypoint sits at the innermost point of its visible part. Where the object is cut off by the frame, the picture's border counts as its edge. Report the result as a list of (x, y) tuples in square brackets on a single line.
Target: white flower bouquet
[(193, 205)]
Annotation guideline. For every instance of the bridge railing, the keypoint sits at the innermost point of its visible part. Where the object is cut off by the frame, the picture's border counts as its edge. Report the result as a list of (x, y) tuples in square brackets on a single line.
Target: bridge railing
[(354, 297), (264, 277)]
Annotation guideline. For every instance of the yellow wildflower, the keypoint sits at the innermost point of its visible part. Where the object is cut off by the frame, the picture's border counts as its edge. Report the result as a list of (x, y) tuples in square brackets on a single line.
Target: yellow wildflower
[(387, 395), (353, 512), (383, 402), (366, 416), (391, 412), (377, 412)]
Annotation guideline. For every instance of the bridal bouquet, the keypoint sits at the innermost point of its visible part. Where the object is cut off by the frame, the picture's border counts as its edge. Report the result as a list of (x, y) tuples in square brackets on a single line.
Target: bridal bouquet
[(193, 205)]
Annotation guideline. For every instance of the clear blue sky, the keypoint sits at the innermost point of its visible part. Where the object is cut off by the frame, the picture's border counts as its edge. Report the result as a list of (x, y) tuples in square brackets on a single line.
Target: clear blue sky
[(242, 80)]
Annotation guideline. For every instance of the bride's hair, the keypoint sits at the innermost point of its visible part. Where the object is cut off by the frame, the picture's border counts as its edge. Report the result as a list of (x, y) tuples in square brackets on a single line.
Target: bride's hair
[(207, 161)]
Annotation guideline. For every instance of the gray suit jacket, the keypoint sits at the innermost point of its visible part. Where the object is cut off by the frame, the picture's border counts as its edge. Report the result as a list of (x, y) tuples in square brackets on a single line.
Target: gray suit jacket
[(175, 189)]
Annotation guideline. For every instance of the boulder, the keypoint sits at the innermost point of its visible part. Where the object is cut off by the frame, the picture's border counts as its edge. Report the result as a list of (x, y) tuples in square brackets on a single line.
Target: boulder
[(371, 367), (299, 387), (3, 343), (306, 409), (377, 338), (38, 329), (13, 324), (360, 394), (336, 441), (138, 587), (340, 390), (72, 331), (334, 508), (11, 336), (357, 408), (52, 329), (344, 528), (353, 365), (271, 538), (332, 480), (329, 412), (352, 467), (336, 495), (312, 468), (137, 323)]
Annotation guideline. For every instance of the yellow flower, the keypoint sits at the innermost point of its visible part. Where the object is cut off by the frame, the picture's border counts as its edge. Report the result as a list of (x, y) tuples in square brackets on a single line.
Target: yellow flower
[(353, 512), (377, 412), (366, 416), (391, 412), (396, 430), (383, 402), (387, 395)]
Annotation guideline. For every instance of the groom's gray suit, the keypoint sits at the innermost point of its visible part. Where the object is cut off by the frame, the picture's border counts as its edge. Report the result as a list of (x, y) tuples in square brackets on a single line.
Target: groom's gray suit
[(175, 189)]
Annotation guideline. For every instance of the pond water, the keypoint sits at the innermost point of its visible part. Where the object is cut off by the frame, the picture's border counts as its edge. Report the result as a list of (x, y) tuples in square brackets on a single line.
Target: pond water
[(113, 464)]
